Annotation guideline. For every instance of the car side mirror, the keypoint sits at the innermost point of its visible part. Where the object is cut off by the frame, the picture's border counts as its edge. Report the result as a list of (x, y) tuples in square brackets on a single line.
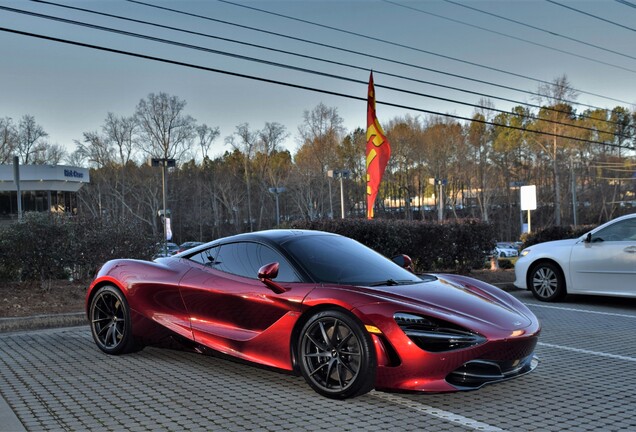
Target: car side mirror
[(588, 238), (404, 261), (269, 272)]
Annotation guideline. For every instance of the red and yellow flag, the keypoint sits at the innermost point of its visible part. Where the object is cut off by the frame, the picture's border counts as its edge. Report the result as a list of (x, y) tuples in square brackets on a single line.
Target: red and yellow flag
[(378, 151)]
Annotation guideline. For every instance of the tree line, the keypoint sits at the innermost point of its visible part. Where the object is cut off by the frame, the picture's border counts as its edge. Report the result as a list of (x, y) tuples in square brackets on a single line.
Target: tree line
[(583, 165)]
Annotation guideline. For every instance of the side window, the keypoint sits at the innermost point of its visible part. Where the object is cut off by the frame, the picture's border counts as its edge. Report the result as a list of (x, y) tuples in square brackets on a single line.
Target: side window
[(206, 257), (245, 259), (624, 230)]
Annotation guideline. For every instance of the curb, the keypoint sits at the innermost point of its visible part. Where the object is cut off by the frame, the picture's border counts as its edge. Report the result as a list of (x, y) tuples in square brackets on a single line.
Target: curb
[(39, 322)]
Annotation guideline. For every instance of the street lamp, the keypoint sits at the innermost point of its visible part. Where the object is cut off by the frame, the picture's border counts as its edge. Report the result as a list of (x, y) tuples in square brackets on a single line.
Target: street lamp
[(277, 191), (441, 183), (340, 174), (163, 163)]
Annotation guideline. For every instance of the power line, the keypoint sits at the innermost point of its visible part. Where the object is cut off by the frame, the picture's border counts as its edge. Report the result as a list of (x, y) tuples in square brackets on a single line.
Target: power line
[(591, 15), (531, 117), (301, 87), (626, 3), (405, 46), (562, 51), (370, 55), (541, 30)]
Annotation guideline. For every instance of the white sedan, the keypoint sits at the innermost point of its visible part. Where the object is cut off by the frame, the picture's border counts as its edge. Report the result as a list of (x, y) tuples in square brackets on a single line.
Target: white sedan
[(601, 262), (505, 250)]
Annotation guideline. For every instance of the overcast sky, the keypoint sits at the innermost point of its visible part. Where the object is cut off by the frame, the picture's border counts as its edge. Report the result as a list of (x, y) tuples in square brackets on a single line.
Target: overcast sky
[(70, 89)]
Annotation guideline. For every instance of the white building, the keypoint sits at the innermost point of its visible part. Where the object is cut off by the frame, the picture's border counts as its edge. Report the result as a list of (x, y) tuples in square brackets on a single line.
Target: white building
[(49, 188)]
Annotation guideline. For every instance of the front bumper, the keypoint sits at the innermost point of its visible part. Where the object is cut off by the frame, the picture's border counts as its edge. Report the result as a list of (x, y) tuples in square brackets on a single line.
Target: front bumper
[(477, 373)]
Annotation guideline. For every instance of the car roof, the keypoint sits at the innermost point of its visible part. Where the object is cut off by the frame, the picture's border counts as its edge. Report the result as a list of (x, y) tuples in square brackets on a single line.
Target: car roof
[(274, 236)]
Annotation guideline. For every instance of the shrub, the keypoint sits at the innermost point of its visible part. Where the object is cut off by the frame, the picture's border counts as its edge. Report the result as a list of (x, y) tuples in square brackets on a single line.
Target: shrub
[(450, 246), (555, 233), (47, 246), (505, 264)]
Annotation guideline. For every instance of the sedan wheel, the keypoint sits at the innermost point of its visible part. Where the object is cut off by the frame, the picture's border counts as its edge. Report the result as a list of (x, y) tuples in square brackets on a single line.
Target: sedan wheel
[(547, 282), (336, 355), (110, 321)]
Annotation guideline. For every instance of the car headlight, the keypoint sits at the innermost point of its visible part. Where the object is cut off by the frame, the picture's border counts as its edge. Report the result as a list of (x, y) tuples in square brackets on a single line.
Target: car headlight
[(524, 252), (435, 335)]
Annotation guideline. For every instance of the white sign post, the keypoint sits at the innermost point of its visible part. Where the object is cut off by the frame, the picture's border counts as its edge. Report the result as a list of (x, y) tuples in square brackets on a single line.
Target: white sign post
[(528, 201)]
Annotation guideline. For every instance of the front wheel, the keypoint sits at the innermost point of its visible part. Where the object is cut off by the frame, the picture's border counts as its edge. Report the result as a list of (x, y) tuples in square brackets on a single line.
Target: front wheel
[(336, 355), (546, 282), (110, 321)]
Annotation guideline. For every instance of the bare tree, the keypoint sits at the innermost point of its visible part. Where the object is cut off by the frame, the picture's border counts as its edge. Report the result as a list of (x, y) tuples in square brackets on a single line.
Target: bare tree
[(8, 139), (96, 149), (165, 131), (320, 135), (30, 138), (206, 136), (267, 162), (244, 141), (480, 137), (559, 114), (51, 154), (119, 131)]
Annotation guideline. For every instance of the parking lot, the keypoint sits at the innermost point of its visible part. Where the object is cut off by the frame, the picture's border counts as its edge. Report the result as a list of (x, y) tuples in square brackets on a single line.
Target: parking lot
[(58, 380)]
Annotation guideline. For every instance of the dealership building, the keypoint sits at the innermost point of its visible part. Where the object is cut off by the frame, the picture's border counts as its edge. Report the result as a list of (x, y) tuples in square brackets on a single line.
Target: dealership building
[(44, 188)]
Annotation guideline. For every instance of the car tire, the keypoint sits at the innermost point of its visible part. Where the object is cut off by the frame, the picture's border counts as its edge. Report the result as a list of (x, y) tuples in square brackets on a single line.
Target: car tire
[(110, 322), (546, 282), (336, 355)]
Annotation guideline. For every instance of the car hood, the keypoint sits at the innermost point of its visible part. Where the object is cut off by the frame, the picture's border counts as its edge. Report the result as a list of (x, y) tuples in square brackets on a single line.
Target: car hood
[(554, 244), (459, 298)]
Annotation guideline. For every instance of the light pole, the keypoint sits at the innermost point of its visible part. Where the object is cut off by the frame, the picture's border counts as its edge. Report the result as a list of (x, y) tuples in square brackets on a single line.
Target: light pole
[(277, 191), (441, 183), (340, 174), (163, 163), (16, 177)]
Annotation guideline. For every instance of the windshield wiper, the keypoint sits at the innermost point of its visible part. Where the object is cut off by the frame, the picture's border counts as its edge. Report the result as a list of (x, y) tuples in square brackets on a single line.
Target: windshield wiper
[(391, 282)]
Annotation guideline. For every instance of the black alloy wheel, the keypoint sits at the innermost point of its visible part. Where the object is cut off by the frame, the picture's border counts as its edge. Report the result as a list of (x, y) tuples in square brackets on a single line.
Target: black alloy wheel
[(336, 355), (110, 321), (546, 282)]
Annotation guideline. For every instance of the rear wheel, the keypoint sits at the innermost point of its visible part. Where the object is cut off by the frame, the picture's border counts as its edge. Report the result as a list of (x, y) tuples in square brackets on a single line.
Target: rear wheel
[(336, 355), (110, 321), (546, 282)]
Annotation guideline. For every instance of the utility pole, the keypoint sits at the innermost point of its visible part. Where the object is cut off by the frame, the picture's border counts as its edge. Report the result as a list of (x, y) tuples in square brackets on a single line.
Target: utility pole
[(164, 163)]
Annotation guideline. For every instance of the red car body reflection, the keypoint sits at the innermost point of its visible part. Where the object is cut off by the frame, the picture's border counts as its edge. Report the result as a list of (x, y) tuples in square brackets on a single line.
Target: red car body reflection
[(344, 317)]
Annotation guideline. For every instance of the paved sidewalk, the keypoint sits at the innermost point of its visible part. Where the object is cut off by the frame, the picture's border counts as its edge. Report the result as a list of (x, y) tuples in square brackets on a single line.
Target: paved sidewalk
[(57, 380)]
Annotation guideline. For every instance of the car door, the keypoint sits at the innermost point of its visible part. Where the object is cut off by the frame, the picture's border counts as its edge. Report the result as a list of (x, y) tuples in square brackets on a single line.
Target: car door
[(234, 312), (607, 263)]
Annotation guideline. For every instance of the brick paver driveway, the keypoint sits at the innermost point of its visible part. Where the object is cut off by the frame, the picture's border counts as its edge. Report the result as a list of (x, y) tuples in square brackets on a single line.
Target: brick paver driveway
[(58, 380)]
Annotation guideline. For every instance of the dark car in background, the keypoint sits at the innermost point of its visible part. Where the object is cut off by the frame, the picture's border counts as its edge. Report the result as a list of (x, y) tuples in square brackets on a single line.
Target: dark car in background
[(188, 245)]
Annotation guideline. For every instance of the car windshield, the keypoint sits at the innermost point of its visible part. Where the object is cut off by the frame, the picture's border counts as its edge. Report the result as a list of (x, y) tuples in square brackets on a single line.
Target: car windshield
[(335, 259)]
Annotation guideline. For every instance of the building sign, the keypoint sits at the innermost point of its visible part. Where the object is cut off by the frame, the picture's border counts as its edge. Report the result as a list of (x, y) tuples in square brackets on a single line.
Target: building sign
[(73, 174)]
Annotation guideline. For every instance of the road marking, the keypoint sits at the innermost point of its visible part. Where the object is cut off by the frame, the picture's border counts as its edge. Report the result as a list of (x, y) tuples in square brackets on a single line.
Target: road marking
[(584, 351), (436, 412), (581, 310)]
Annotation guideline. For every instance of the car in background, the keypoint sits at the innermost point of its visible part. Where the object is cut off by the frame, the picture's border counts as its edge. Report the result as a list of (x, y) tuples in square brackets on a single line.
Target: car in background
[(188, 245), (505, 250), (600, 262), (165, 249)]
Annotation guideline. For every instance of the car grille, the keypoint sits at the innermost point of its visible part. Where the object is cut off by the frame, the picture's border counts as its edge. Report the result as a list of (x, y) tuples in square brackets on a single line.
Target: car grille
[(477, 373)]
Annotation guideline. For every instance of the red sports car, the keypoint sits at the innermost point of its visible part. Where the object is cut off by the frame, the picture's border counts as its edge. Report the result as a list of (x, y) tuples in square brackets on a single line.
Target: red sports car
[(319, 304)]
